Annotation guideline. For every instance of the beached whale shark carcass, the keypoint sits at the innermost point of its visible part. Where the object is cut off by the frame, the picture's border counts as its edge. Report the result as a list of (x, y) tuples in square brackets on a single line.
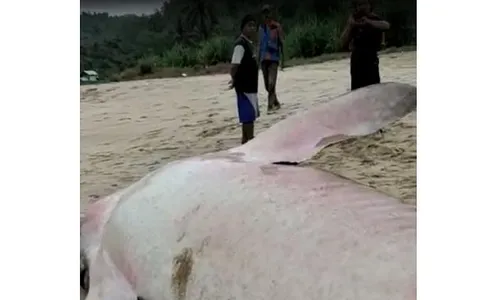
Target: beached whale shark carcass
[(247, 223)]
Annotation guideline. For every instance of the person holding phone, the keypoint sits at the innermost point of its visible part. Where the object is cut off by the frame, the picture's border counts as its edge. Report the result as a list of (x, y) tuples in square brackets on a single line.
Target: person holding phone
[(364, 36)]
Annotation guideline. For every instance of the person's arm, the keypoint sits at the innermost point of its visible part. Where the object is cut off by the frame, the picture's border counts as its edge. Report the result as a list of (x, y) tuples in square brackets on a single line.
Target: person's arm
[(382, 25), (378, 23), (281, 39), (257, 45), (238, 53), (347, 34), (345, 38)]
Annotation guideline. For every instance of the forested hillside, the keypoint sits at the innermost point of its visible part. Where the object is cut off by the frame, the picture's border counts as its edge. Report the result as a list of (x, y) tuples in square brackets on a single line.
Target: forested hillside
[(198, 33)]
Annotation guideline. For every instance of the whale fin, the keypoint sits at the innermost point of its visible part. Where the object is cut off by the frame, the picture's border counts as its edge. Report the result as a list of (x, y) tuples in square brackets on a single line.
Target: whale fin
[(357, 113)]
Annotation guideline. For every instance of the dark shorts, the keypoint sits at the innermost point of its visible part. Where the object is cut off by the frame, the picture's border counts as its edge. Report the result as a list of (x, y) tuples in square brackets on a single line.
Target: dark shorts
[(364, 72)]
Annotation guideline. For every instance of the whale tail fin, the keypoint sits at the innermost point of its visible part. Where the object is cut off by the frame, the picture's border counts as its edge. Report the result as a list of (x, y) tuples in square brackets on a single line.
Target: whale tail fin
[(357, 113)]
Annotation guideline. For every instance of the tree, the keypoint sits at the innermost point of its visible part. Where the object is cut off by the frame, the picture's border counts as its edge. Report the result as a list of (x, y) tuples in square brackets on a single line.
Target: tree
[(200, 14)]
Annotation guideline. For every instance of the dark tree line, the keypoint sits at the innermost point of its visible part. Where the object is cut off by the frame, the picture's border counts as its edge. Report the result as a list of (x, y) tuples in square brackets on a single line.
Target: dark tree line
[(203, 29)]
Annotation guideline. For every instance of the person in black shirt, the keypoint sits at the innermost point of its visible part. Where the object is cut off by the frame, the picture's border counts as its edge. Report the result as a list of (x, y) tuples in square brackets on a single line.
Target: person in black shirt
[(245, 77), (363, 34)]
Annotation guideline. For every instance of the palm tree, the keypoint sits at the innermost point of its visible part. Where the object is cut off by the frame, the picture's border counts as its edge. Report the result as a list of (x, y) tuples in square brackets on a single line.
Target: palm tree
[(200, 14), (190, 16)]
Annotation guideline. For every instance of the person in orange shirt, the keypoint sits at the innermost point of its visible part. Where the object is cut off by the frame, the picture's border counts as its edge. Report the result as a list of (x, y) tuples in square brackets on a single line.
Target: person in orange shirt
[(270, 54)]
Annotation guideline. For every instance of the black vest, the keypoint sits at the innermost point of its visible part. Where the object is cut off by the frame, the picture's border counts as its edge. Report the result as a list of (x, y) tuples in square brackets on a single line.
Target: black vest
[(247, 76)]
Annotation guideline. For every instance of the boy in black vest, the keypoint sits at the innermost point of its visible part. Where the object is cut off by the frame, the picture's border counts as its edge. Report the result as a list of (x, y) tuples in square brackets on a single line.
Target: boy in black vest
[(245, 77), (364, 34)]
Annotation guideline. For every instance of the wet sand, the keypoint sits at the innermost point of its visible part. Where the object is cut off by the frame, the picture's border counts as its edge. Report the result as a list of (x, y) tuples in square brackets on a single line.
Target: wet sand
[(131, 128)]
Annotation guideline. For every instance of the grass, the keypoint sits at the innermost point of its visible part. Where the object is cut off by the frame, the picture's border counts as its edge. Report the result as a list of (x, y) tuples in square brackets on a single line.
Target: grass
[(223, 68)]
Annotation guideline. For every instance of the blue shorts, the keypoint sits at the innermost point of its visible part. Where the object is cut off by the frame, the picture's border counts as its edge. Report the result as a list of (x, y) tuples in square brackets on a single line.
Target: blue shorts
[(248, 107)]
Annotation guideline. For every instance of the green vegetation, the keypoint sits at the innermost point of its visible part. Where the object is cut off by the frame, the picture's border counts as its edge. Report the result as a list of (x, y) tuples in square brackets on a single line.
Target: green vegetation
[(197, 35)]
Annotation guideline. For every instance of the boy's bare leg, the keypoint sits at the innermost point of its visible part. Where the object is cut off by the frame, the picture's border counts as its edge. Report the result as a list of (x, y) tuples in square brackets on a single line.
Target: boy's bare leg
[(247, 130), (265, 75), (272, 76)]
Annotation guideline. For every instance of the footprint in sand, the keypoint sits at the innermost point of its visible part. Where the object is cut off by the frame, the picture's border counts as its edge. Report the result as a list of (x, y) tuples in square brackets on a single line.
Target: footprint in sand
[(111, 89), (89, 91), (154, 133), (118, 95), (214, 131), (90, 95), (167, 148), (154, 163), (204, 122)]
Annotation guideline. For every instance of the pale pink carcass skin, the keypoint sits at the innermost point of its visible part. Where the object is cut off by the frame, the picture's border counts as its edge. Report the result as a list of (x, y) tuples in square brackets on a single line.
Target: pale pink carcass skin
[(232, 225)]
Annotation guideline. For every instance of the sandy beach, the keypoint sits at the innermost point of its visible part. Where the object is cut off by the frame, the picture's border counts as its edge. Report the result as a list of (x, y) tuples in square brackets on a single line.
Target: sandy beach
[(131, 128)]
